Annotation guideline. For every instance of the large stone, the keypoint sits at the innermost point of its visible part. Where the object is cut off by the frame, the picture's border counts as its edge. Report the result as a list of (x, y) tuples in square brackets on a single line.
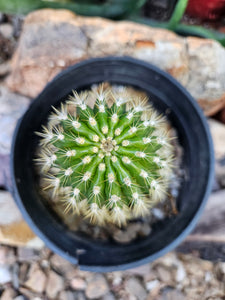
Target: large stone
[(12, 106), (55, 39), (206, 80), (13, 229)]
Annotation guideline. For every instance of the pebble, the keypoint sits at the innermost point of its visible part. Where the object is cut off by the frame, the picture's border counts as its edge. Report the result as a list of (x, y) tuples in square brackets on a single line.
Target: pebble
[(7, 256), (21, 297), (5, 177), (141, 271), (61, 265), (220, 173), (97, 287), (6, 30), (5, 275), (55, 284), (26, 254), (36, 281), (66, 295), (145, 230), (78, 284), (151, 285), (15, 275), (158, 213), (128, 234), (135, 288), (27, 293), (218, 135), (12, 106), (80, 296), (181, 273), (109, 296), (173, 295), (9, 212), (8, 294), (23, 272), (5, 68), (164, 274)]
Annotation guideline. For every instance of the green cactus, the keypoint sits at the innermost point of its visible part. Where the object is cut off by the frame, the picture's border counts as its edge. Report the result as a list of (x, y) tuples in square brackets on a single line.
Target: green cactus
[(109, 163)]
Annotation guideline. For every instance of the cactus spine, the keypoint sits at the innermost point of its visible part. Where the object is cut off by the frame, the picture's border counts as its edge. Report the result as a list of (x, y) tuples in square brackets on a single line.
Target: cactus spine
[(110, 163)]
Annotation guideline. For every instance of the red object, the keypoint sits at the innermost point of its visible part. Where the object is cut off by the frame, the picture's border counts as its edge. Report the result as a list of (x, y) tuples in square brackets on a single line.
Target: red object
[(206, 9)]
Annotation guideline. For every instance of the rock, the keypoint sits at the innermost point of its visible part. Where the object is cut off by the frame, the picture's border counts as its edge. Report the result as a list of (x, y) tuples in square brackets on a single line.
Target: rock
[(128, 234), (36, 281), (15, 275), (64, 51), (7, 256), (80, 296), (96, 287), (5, 179), (5, 275), (212, 222), (61, 265), (8, 294), (6, 30), (220, 173), (23, 298), (140, 271), (145, 230), (23, 272), (181, 273), (78, 284), (26, 254), (164, 274), (66, 295), (52, 40), (5, 68), (28, 294), (172, 295), (109, 296), (55, 284), (135, 288), (12, 106), (13, 230), (206, 61), (218, 135), (153, 284), (9, 213)]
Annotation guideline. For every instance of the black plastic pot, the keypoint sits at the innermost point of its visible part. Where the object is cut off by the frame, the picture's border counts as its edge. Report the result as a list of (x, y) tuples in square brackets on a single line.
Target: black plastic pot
[(167, 95)]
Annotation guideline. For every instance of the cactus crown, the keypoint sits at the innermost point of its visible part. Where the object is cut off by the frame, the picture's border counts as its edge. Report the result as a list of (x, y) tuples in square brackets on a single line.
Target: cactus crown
[(111, 162)]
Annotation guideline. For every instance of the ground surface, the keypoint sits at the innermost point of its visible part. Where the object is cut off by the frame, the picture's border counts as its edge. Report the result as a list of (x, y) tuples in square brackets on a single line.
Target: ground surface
[(29, 274)]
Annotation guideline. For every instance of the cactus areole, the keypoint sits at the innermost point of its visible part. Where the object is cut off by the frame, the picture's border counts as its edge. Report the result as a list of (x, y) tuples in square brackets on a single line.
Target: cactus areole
[(111, 162)]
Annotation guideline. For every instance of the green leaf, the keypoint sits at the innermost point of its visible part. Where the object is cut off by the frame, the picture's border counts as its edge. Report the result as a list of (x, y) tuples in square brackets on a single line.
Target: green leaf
[(178, 13), (109, 9), (19, 6)]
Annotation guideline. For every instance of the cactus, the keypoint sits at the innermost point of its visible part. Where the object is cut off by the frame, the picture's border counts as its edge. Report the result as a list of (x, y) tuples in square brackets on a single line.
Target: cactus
[(109, 163)]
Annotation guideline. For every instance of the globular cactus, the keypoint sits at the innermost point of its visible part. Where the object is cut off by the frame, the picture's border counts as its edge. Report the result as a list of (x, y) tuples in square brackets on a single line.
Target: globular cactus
[(109, 163)]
